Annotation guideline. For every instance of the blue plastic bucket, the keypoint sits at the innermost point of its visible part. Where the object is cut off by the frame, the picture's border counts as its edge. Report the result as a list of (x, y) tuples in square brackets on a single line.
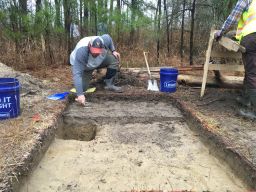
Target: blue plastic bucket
[(168, 79), (9, 98)]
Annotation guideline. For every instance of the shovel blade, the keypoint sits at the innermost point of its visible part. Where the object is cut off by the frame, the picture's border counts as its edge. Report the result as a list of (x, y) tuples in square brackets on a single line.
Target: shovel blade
[(152, 85)]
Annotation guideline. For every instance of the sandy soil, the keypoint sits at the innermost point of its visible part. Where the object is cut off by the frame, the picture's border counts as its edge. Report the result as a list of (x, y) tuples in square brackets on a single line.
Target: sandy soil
[(138, 146)]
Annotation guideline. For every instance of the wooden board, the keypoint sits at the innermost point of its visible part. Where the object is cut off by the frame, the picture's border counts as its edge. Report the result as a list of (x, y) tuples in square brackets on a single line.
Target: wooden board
[(226, 67), (225, 54), (232, 52), (231, 45)]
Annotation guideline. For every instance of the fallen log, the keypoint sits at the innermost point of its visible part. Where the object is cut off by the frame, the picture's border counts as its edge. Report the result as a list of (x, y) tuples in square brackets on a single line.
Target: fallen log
[(218, 80), (222, 81), (196, 80), (157, 69)]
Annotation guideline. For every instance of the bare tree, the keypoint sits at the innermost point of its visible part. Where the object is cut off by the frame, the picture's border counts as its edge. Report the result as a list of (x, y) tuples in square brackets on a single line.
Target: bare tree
[(110, 15), (182, 30), (85, 26), (193, 9), (67, 22), (23, 6), (167, 27), (133, 15), (119, 19), (38, 5), (23, 13), (58, 13), (158, 28)]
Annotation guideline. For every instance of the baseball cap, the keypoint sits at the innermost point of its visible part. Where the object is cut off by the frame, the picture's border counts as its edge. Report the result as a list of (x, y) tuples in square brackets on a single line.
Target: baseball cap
[(96, 45)]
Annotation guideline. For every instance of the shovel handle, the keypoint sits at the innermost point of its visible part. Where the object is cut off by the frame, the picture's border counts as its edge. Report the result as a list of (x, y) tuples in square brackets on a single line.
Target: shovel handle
[(147, 64)]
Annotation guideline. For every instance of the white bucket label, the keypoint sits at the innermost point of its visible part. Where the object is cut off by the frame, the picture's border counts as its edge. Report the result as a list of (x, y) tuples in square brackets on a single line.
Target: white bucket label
[(7, 115), (170, 84), (5, 102)]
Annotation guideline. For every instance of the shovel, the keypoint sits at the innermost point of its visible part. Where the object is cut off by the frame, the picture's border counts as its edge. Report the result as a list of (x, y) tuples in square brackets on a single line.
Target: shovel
[(152, 83)]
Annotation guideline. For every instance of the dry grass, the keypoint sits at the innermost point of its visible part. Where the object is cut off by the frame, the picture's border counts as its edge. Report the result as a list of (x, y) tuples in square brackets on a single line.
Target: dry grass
[(17, 136), (31, 57), (13, 133)]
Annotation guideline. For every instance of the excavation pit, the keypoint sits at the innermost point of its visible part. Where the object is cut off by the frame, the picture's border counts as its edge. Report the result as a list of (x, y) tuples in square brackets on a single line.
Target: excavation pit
[(138, 146), (75, 130)]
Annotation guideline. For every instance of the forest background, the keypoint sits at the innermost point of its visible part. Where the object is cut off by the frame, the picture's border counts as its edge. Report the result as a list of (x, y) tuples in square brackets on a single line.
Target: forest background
[(36, 34)]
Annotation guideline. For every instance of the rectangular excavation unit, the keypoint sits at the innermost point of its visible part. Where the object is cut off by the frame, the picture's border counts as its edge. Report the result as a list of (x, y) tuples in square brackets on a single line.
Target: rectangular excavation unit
[(128, 145)]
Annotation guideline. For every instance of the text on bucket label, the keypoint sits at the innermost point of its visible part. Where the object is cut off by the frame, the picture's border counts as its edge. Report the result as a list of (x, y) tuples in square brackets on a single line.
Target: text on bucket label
[(170, 84), (5, 102)]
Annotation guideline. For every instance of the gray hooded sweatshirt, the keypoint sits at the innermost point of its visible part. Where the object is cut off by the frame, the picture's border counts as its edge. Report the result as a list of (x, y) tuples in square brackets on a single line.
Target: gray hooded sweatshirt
[(81, 59)]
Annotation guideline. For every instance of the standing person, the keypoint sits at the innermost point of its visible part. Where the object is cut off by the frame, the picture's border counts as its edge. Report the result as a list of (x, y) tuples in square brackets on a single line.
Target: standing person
[(245, 14), (93, 53)]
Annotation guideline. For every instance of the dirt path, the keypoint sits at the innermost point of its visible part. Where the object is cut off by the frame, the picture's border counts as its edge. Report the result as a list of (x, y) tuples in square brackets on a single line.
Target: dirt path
[(138, 146)]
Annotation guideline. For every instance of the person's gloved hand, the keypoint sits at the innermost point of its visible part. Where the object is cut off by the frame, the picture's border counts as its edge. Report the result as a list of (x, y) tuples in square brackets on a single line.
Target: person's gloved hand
[(81, 99), (217, 35)]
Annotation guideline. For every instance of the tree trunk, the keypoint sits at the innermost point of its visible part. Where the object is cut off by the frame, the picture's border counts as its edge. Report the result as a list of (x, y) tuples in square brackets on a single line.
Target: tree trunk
[(81, 17), (133, 14), (23, 13), (86, 19), (171, 23), (38, 5), (158, 30), (106, 11), (118, 19), (110, 16), (67, 20), (95, 17), (182, 31), (23, 6), (167, 27), (49, 56), (192, 32), (58, 15), (15, 24), (100, 11)]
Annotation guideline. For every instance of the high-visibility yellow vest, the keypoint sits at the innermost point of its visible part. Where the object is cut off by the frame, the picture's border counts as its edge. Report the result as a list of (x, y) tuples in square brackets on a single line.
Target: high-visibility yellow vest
[(247, 22)]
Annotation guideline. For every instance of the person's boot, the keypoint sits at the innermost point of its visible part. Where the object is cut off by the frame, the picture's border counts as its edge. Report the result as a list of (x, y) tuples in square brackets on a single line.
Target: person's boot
[(244, 100), (110, 86), (250, 112)]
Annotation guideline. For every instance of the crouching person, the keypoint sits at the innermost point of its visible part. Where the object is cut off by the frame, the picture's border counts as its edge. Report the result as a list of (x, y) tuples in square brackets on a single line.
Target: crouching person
[(91, 53)]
